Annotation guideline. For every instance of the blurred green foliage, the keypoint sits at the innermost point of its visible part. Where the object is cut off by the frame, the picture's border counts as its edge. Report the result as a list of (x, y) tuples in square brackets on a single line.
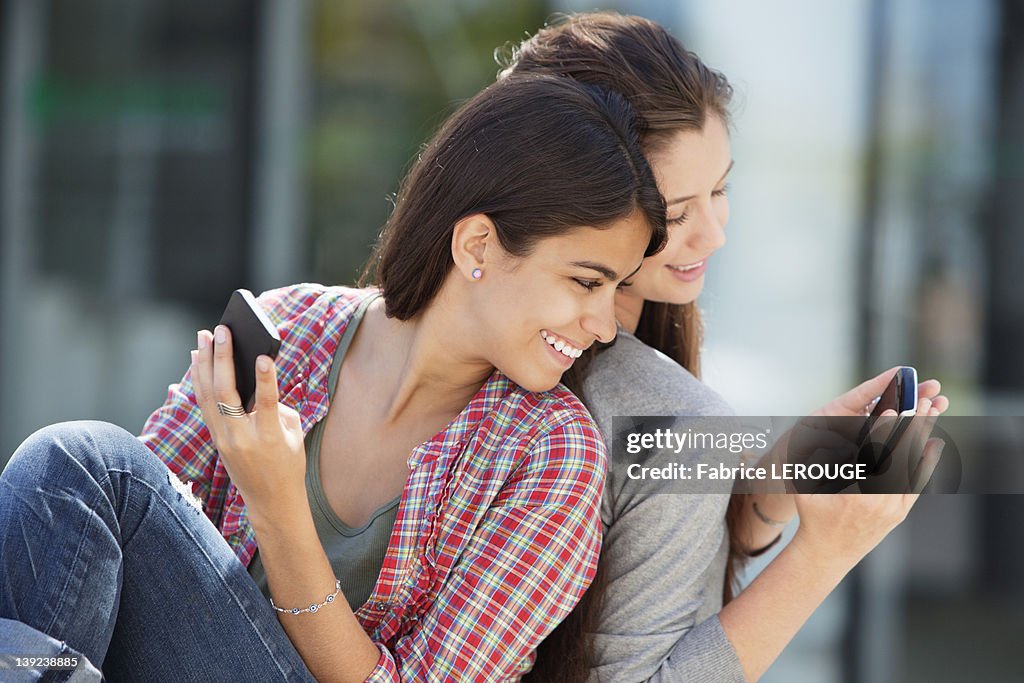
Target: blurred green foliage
[(385, 74)]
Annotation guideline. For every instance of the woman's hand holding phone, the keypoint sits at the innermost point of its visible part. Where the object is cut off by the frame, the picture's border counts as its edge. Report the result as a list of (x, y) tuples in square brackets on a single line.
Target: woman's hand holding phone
[(842, 529), (263, 451), (856, 401), (818, 432)]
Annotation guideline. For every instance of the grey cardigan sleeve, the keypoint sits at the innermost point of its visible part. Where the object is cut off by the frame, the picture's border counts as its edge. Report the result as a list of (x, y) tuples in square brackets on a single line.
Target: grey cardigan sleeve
[(663, 559)]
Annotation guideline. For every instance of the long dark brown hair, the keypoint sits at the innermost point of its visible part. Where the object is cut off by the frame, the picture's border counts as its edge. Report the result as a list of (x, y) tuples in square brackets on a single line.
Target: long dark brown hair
[(672, 90), (505, 153)]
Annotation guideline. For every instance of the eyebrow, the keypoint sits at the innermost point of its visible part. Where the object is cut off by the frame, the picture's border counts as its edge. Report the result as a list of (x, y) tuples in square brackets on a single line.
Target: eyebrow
[(604, 270), (688, 198), (607, 272)]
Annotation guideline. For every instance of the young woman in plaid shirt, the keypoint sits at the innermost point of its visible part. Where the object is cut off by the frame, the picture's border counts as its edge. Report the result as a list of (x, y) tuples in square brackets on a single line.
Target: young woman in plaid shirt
[(496, 270)]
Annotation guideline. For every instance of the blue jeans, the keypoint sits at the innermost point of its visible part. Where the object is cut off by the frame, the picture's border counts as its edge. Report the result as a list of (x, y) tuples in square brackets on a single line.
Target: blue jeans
[(103, 558)]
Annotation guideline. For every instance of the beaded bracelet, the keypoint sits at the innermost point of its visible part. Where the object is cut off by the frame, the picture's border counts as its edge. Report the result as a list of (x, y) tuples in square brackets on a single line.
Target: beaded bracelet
[(315, 606)]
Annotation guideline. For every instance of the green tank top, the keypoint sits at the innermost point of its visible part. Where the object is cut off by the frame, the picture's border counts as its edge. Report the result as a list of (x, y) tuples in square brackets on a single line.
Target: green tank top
[(355, 554)]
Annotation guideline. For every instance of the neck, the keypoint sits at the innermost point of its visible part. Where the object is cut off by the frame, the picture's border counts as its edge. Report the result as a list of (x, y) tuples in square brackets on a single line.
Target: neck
[(424, 362), (628, 308)]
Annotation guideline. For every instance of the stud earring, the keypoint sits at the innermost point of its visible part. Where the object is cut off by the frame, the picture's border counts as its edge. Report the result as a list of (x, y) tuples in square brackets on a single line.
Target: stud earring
[(477, 273)]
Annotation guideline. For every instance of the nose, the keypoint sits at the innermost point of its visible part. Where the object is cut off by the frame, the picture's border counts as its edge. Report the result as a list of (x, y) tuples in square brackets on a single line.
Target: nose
[(709, 234), (599, 319)]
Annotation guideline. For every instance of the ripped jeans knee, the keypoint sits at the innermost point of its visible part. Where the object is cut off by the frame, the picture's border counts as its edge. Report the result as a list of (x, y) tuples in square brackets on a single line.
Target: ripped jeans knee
[(184, 489)]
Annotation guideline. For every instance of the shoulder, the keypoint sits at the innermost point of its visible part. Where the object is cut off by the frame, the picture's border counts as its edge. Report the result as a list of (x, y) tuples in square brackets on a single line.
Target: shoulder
[(307, 313), (549, 429), (631, 378), (553, 408), (307, 299)]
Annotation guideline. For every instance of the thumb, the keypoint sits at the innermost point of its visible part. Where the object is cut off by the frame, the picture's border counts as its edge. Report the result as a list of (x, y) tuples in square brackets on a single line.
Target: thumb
[(865, 392)]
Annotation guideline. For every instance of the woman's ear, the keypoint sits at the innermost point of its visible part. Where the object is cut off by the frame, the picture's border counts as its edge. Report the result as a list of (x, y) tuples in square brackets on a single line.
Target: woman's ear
[(471, 239)]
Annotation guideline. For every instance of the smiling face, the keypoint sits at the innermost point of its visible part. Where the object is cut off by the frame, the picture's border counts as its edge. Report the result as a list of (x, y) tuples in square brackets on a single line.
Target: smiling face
[(536, 314), (691, 170)]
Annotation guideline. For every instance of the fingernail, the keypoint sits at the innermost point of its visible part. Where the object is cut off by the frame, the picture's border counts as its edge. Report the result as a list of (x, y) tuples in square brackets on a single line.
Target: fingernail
[(193, 354), (263, 364), (221, 335), (201, 339)]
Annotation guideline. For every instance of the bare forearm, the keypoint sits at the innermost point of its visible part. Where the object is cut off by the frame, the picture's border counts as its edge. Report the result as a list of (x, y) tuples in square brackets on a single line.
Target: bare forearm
[(331, 642), (762, 620)]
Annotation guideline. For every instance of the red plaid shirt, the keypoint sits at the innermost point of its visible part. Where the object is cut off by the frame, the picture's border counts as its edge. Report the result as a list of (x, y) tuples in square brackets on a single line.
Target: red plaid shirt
[(498, 529)]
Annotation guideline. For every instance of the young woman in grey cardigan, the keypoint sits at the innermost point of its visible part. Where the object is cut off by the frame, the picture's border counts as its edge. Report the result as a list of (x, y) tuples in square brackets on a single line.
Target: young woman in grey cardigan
[(662, 607)]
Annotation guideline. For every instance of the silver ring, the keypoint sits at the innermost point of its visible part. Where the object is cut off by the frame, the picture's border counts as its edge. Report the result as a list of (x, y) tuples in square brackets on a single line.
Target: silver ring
[(230, 411)]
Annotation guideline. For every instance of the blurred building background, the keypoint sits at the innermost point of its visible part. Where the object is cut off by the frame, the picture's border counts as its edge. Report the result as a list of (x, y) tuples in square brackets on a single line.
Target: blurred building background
[(157, 154)]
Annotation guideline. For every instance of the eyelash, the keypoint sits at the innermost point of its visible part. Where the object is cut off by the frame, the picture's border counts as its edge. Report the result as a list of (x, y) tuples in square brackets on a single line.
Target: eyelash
[(623, 285), (589, 285), (679, 220)]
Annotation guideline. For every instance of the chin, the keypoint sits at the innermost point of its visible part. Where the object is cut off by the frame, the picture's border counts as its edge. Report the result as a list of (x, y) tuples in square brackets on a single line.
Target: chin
[(682, 301), (533, 381), (679, 296)]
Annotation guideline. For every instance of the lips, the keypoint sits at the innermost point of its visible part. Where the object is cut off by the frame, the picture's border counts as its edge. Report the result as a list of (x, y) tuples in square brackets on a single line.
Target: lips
[(689, 272)]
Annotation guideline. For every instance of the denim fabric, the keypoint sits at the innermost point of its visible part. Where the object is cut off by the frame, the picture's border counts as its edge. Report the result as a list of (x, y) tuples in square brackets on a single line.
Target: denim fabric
[(101, 555)]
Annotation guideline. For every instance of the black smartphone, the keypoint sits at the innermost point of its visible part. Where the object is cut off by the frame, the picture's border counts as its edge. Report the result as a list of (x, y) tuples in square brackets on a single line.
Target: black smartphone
[(253, 334), (901, 396)]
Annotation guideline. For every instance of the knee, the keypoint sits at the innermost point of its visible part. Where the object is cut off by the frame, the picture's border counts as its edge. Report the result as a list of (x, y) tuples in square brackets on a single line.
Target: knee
[(94, 446)]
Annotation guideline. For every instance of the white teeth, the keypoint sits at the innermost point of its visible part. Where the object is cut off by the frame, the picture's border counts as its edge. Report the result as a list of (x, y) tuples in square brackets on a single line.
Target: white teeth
[(561, 345), (683, 269)]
